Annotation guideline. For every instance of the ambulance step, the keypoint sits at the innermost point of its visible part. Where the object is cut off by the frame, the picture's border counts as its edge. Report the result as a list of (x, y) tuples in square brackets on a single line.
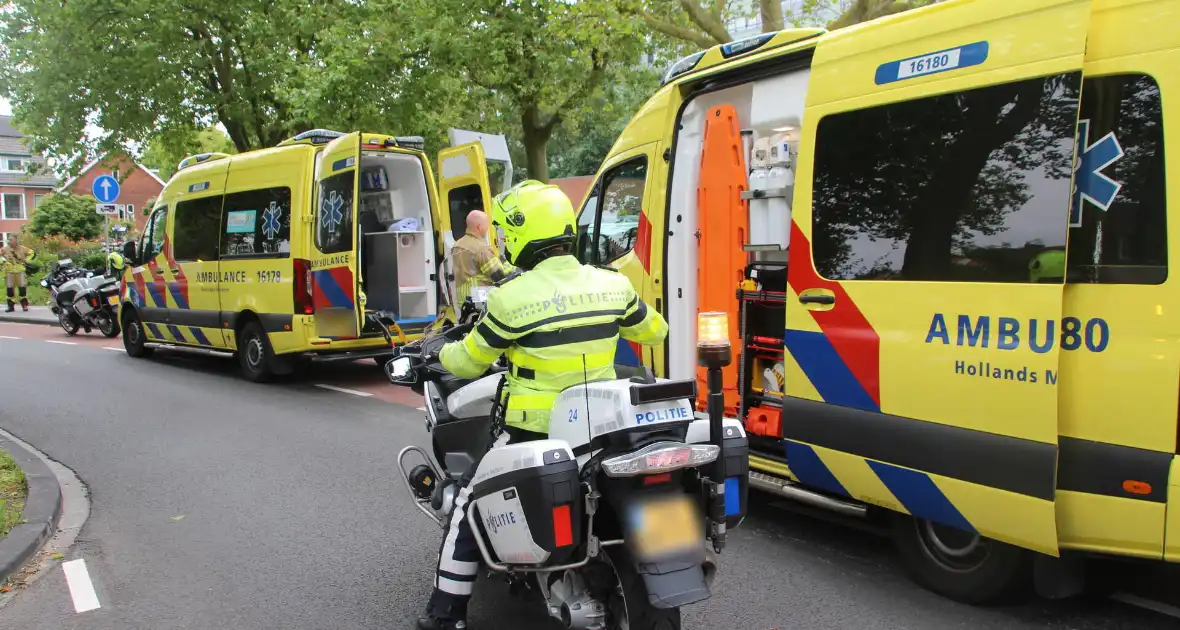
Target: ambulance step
[(791, 490), (351, 355)]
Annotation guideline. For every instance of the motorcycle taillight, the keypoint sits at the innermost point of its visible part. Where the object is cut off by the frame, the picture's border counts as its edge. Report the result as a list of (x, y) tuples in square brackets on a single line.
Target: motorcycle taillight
[(92, 300)]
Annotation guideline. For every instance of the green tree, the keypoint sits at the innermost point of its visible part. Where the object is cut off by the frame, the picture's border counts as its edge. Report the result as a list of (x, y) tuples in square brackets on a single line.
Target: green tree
[(705, 23), (138, 68), (538, 63), (165, 150), (64, 214)]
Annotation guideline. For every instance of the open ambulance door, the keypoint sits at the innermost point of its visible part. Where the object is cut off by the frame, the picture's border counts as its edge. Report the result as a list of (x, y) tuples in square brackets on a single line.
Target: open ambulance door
[(339, 303), (921, 356), (463, 186)]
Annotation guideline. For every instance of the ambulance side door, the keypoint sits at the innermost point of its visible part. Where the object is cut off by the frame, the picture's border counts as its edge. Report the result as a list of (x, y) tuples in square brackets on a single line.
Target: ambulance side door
[(613, 229), (194, 259), (922, 359), (1120, 363), (335, 277), (463, 186)]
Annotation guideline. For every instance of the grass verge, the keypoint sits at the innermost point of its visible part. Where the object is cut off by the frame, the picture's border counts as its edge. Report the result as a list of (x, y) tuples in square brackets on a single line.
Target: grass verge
[(13, 490)]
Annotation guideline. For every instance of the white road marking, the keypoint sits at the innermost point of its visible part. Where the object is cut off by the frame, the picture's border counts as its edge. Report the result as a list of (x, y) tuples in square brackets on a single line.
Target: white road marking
[(1140, 602), (64, 343), (7, 337), (112, 348), (421, 408), (81, 589), (343, 390)]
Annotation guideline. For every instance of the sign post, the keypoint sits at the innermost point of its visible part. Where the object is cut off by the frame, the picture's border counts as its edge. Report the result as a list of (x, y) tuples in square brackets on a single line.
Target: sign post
[(106, 191)]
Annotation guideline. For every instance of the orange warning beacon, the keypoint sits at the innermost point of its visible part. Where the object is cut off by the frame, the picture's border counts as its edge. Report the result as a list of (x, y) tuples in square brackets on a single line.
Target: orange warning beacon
[(722, 224)]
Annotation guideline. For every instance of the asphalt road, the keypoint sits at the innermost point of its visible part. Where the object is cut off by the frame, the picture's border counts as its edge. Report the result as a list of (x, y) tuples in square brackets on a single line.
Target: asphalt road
[(217, 503)]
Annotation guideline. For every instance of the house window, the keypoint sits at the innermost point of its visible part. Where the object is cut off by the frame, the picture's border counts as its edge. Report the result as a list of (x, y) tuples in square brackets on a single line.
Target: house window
[(14, 165), (37, 199), (14, 206)]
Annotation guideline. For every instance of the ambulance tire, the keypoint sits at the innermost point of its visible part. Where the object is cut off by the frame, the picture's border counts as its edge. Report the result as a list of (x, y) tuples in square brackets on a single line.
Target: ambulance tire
[(134, 338), (257, 358), (992, 573)]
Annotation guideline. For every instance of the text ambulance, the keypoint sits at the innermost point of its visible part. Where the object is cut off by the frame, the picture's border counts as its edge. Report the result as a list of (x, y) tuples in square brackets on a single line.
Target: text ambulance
[(307, 248), (942, 239)]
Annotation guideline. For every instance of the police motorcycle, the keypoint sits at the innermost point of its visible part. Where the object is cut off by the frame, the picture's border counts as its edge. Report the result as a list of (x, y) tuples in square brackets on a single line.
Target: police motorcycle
[(85, 300), (59, 273), (608, 519)]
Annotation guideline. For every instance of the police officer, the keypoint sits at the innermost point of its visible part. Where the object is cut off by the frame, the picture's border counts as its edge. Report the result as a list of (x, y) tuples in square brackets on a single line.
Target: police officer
[(558, 323)]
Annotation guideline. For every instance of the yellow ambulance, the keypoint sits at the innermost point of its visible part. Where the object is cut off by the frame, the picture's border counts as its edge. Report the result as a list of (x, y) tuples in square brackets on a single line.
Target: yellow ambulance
[(307, 249), (951, 301)]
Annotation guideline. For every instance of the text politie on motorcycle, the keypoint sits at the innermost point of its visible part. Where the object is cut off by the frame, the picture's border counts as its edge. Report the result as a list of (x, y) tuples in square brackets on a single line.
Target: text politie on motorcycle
[(558, 323)]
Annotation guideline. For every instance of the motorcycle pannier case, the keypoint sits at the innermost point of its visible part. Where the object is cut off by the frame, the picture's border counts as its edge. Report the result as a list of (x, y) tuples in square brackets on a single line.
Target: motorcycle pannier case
[(529, 503)]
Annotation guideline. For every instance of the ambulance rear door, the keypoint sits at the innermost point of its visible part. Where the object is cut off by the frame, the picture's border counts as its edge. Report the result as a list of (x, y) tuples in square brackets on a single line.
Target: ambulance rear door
[(922, 353), (463, 186), (339, 310)]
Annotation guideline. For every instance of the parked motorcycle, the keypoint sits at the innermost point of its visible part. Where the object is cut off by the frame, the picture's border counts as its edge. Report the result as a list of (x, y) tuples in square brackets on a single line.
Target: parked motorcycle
[(608, 518), (59, 273), (83, 300)]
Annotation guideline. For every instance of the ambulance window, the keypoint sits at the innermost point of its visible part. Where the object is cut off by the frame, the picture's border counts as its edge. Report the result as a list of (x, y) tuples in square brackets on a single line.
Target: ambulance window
[(333, 232), (617, 216), (155, 238), (586, 219), (961, 187), (257, 223), (461, 201), (1118, 221), (196, 229)]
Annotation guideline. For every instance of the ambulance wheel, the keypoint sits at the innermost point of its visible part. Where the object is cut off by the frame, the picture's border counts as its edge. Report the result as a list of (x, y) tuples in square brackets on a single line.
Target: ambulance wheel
[(963, 566), (627, 604), (257, 358), (134, 339)]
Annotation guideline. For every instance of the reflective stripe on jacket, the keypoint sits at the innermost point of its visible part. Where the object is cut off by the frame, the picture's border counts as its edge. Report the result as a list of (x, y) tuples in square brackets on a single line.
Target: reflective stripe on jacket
[(559, 325)]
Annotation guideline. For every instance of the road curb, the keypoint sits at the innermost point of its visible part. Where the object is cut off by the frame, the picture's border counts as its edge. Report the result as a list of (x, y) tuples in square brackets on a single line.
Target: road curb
[(41, 512), (17, 319)]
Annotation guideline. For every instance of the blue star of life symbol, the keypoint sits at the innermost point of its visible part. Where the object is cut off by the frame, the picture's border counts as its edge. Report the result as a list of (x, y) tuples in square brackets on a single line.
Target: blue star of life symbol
[(1089, 181), (331, 214), (270, 221)]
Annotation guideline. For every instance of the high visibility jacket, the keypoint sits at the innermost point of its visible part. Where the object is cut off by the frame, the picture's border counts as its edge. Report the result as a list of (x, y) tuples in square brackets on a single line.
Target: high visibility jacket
[(559, 325), (14, 260), (475, 263)]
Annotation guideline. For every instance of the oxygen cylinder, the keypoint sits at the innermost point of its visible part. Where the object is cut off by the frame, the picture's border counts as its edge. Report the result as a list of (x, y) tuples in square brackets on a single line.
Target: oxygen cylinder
[(759, 208), (778, 210)]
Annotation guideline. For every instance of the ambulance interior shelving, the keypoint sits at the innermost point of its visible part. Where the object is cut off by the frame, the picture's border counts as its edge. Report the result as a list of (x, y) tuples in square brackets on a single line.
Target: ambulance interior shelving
[(396, 249), (727, 205)]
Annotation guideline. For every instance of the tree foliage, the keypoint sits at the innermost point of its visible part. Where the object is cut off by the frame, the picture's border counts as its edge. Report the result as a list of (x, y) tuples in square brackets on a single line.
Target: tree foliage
[(67, 215), (137, 68), (706, 23), (165, 150)]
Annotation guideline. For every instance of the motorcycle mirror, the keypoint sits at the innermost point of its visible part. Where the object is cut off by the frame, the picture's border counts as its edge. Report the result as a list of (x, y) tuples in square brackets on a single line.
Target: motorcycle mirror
[(45, 283), (400, 370)]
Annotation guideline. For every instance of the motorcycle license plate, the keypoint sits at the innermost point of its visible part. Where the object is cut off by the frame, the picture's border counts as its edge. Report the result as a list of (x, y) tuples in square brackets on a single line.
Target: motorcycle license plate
[(664, 525), (113, 300)]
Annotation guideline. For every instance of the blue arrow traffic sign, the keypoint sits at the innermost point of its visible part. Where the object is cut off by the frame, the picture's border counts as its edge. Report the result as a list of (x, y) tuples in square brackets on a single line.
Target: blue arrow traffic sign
[(105, 188), (1090, 182)]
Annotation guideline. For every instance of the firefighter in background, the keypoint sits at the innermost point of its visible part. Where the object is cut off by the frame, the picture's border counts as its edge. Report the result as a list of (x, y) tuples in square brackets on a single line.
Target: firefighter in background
[(14, 259), (558, 323), (474, 261)]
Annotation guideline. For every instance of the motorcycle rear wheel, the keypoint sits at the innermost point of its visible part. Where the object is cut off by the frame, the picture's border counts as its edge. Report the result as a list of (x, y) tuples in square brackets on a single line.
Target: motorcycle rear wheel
[(107, 325), (67, 322), (627, 602)]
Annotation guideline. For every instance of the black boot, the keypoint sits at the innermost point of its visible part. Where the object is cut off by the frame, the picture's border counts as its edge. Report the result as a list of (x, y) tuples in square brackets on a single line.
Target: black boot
[(24, 301), (11, 304), (434, 623)]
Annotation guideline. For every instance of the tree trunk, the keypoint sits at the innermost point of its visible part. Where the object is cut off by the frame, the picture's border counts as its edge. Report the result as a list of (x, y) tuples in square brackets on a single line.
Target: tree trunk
[(536, 144), (772, 15)]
